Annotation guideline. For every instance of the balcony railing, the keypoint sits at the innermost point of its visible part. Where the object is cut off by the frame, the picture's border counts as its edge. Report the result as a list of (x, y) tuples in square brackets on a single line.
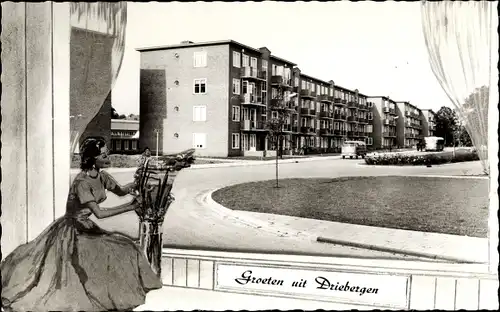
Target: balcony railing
[(344, 101), (386, 109), (307, 111), (325, 114), (325, 131), (337, 100), (280, 80), (287, 127), (362, 120), (326, 98), (386, 121), (307, 93), (389, 134), (250, 125), (307, 130), (392, 111), (352, 118), (392, 122), (362, 107), (407, 113), (252, 99), (250, 72), (352, 104)]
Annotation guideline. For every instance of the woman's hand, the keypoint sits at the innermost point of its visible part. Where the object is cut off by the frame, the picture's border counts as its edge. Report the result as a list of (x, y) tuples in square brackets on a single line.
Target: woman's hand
[(137, 204)]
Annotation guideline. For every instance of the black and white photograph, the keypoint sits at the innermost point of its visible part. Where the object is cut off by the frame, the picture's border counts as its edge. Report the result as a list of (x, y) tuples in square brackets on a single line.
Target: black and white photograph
[(160, 156)]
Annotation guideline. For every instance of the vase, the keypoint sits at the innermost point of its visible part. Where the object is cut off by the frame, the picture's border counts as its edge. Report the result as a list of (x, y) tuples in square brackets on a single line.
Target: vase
[(151, 243)]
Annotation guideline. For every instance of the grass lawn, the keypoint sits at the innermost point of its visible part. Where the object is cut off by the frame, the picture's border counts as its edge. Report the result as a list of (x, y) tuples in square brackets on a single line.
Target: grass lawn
[(439, 205)]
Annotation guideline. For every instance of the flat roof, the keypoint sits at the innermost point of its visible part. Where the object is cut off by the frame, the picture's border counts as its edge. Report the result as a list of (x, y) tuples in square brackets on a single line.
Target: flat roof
[(208, 43)]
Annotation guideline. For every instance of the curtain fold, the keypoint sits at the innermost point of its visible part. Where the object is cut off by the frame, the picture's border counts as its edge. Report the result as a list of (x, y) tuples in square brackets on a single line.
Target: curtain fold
[(97, 49), (458, 36)]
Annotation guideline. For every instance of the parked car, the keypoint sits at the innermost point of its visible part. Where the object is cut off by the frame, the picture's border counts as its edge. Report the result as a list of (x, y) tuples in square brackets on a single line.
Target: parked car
[(353, 149)]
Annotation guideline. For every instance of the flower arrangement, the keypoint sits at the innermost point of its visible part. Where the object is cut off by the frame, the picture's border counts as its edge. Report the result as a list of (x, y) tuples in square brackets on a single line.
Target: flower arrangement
[(153, 181)]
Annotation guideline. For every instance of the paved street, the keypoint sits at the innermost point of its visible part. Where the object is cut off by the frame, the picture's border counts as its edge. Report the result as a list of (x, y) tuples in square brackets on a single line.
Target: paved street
[(190, 224)]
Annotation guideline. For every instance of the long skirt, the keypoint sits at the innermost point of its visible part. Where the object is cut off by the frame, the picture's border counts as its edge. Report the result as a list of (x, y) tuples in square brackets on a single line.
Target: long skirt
[(76, 266)]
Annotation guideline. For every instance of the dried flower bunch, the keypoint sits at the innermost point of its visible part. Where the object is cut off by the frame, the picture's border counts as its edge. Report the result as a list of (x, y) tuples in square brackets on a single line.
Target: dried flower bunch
[(153, 182)]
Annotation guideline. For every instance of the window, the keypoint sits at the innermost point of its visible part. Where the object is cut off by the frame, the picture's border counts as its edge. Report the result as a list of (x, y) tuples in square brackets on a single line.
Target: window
[(200, 59), (370, 116), (264, 65), (199, 140), (126, 145), (303, 84), (236, 140), (253, 62), (134, 144), (369, 141), (245, 60), (236, 59), (274, 115), (236, 113), (236, 86), (199, 113), (200, 86), (296, 83)]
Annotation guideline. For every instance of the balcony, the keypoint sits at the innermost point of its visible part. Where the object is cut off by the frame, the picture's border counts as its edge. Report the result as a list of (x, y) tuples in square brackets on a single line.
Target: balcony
[(307, 94), (252, 99), (326, 98), (338, 101), (350, 133), (407, 113), (281, 104), (325, 114), (392, 111), (304, 111), (389, 134), (344, 101), (363, 134), (352, 104), (362, 120), (352, 119), (325, 131), (295, 129), (392, 122), (252, 73), (252, 125), (386, 109), (338, 117), (287, 128), (362, 107), (281, 81), (308, 130)]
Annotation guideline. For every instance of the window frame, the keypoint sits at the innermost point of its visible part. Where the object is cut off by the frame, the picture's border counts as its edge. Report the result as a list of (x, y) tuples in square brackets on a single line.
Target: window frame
[(237, 140), (200, 80), (204, 109), (204, 62)]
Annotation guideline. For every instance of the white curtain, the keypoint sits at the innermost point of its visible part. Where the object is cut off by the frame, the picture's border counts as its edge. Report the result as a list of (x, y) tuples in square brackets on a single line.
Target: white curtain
[(97, 48), (460, 41)]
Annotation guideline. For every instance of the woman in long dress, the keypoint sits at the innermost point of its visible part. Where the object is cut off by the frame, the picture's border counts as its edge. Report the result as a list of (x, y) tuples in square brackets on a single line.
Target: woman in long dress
[(74, 265)]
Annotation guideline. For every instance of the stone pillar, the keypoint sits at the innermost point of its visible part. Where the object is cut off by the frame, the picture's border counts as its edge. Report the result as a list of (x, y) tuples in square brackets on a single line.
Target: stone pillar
[(35, 124)]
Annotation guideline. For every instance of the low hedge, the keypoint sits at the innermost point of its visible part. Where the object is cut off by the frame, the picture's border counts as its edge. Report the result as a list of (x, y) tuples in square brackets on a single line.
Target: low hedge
[(421, 159), (117, 161)]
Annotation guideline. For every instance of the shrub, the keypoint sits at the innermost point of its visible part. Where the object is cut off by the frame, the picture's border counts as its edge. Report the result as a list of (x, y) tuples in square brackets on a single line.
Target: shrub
[(402, 159)]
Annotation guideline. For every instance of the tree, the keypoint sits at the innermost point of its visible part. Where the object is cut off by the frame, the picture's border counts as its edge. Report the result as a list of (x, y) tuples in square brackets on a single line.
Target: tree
[(446, 124), (114, 113), (279, 113)]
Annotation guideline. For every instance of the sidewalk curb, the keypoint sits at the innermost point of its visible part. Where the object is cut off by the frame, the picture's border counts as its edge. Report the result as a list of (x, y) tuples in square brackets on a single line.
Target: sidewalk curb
[(323, 239), (206, 199), (277, 229)]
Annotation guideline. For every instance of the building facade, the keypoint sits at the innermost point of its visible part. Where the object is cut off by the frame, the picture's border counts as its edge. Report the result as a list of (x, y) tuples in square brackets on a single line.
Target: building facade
[(217, 97), (124, 136), (428, 120), (409, 126), (384, 122)]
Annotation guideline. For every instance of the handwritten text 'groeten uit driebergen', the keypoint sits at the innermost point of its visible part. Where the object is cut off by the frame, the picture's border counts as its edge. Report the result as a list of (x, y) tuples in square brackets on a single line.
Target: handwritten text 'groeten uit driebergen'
[(320, 283)]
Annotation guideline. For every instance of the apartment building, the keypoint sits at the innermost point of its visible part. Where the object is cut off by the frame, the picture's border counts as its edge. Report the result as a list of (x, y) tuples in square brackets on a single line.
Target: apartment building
[(384, 122), (428, 121), (409, 127), (217, 96)]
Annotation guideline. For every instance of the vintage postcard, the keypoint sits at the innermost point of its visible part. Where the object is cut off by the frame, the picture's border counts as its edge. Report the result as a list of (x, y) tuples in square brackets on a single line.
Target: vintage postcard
[(249, 155)]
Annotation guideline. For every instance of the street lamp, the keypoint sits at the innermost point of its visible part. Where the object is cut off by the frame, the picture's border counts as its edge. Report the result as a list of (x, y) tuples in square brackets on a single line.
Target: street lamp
[(157, 140)]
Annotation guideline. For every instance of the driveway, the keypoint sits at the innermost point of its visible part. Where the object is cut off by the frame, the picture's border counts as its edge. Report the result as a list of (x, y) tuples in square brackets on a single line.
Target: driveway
[(191, 224)]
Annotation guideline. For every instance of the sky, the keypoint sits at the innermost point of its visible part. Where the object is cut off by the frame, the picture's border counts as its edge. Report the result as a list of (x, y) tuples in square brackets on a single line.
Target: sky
[(375, 47)]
